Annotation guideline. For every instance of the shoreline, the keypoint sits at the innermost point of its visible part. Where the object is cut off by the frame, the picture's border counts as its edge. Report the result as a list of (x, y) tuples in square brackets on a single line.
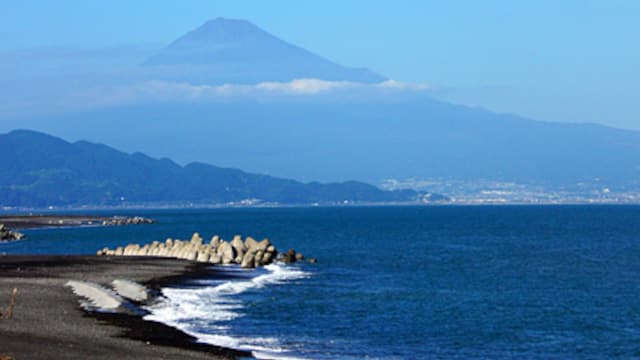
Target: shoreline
[(60, 212), (37, 221), (61, 220), (48, 313)]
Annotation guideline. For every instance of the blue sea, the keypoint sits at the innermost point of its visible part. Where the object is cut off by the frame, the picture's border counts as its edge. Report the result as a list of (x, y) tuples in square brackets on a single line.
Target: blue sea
[(499, 282)]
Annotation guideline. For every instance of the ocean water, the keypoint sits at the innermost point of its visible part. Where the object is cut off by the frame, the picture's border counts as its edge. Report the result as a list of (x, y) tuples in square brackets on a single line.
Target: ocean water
[(503, 282)]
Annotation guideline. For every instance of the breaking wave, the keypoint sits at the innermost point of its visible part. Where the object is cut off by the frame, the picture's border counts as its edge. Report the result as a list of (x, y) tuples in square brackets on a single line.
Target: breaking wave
[(204, 312)]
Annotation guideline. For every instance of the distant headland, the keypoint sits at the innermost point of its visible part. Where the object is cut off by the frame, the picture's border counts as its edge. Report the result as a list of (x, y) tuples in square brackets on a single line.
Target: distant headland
[(48, 171)]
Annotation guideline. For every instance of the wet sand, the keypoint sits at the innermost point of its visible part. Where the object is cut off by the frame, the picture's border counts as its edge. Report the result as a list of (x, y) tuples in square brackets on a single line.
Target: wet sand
[(48, 322)]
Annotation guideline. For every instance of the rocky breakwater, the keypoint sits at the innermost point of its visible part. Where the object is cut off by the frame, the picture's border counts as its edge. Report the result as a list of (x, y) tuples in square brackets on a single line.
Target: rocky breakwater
[(136, 220), (7, 234), (248, 253), (292, 256)]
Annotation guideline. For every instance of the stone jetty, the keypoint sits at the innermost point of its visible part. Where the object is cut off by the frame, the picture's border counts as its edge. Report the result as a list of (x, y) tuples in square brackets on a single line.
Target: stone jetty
[(7, 234), (248, 252), (117, 221)]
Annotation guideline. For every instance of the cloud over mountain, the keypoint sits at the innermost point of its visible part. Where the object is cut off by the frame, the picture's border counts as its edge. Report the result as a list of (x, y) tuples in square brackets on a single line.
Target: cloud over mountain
[(222, 60), (157, 90)]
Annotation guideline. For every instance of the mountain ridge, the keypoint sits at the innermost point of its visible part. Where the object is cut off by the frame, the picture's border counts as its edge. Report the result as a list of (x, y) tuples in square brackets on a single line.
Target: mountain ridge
[(43, 170)]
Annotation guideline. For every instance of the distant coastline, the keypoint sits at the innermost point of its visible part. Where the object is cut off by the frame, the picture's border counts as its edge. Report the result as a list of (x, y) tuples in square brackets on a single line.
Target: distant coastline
[(89, 209)]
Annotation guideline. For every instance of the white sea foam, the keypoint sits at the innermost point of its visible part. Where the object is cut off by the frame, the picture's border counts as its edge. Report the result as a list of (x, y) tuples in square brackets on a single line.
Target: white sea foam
[(191, 310)]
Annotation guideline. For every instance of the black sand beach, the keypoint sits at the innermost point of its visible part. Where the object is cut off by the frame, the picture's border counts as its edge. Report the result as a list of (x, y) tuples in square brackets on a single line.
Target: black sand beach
[(48, 322)]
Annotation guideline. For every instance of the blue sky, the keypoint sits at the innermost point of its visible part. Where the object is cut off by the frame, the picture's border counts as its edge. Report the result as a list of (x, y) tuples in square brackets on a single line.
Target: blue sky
[(551, 60)]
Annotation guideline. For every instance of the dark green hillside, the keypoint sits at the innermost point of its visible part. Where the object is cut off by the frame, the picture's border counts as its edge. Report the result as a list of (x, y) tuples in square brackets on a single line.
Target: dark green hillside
[(42, 170)]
